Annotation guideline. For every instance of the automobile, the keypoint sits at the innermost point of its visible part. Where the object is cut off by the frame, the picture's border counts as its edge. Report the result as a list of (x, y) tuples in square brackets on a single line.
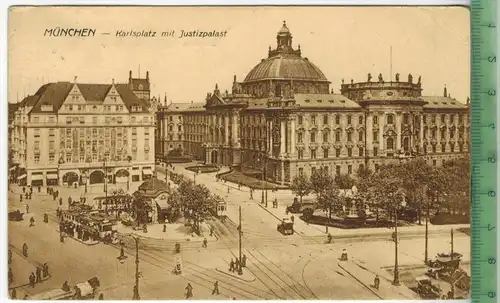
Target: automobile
[(299, 207), (285, 227), (444, 265), (16, 215), (426, 289)]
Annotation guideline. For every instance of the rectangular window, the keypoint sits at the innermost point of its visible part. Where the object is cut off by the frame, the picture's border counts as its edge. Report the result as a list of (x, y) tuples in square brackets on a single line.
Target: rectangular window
[(179, 128), (52, 144), (349, 169), (375, 120), (349, 136), (300, 120), (51, 132), (300, 154), (325, 153), (375, 136), (313, 120), (377, 166), (134, 131), (349, 119), (94, 120), (337, 170), (361, 167), (325, 137), (406, 119), (146, 131), (443, 118), (443, 148), (299, 137), (36, 133), (325, 119), (360, 120), (119, 120), (313, 137), (68, 120), (337, 119), (349, 152), (301, 170), (337, 152), (433, 162), (36, 119), (313, 154), (179, 137), (37, 158), (51, 158), (36, 145), (82, 120), (434, 148), (361, 151), (361, 136), (375, 151), (337, 136), (433, 118)]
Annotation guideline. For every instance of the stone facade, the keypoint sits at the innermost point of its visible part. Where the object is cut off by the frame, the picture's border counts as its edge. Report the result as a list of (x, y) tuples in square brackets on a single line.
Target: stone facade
[(283, 120), (78, 132)]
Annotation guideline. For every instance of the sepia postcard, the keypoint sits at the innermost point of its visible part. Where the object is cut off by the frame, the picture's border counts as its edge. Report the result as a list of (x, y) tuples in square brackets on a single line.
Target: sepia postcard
[(238, 153)]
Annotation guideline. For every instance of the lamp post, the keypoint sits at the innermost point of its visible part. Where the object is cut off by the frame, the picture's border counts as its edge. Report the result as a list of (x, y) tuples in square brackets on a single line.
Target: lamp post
[(264, 175), (395, 282), (129, 174), (122, 258)]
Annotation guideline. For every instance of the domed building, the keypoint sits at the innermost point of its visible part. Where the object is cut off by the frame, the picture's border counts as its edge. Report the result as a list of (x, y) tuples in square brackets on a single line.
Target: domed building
[(282, 119)]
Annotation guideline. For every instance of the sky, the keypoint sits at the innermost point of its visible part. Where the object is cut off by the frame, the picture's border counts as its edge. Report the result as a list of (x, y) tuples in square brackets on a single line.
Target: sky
[(344, 42)]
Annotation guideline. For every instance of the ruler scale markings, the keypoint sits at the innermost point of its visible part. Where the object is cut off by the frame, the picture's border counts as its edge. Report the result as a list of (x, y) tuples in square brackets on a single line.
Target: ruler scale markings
[(483, 138)]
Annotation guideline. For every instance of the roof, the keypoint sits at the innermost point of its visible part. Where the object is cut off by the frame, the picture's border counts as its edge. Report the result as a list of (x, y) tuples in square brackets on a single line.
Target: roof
[(153, 185), (182, 107), (136, 84), (441, 102), (285, 67), (55, 94), (324, 100)]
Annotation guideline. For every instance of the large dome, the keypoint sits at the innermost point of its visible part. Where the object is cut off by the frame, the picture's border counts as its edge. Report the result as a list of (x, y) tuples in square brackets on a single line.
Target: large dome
[(286, 67)]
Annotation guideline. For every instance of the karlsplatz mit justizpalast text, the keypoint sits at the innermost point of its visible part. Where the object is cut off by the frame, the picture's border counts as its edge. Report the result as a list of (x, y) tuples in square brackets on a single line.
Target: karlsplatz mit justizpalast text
[(172, 33)]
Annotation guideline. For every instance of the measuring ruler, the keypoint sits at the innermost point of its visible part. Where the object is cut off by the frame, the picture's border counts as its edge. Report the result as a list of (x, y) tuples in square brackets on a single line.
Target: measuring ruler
[(484, 95)]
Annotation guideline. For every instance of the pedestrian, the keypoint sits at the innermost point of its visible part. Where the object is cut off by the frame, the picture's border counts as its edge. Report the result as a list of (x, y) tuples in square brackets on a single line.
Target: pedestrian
[(227, 188), (30, 195), (21, 197), (205, 242), (38, 274), (189, 291), (39, 189), (376, 282), (11, 276), (24, 189), (216, 288), (211, 231), (45, 270), (101, 296), (32, 279), (65, 286), (25, 297), (25, 250), (32, 222), (60, 201), (231, 266), (244, 261), (237, 265), (45, 218), (251, 193), (27, 208), (13, 296), (292, 218), (10, 256), (164, 227)]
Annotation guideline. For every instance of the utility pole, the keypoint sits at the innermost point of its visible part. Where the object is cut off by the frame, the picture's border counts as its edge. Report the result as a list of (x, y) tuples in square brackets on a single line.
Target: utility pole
[(136, 287), (396, 268), (453, 272), (240, 271), (426, 258)]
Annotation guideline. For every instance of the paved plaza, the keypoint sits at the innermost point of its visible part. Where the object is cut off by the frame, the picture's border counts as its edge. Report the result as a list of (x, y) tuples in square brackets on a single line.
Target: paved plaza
[(300, 266)]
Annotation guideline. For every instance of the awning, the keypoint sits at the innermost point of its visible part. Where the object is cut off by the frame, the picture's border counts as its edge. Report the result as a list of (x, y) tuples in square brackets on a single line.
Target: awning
[(12, 168), (21, 177), (162, 204), (36, 177), (147, 172), (52, 176)]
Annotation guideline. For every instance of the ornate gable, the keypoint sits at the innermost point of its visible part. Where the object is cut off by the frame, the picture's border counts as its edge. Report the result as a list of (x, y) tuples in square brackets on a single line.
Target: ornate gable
[(113, 97), (74, 96)]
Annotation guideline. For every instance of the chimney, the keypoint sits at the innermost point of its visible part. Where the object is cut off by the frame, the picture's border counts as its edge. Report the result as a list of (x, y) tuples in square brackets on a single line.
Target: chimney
[(129, 75), (147, 75), (445, 91)]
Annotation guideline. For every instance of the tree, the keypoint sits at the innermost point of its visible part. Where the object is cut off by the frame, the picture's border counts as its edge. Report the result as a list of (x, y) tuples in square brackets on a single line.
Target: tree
[(301, 185), (195, 200), (344, 181), (320, 180)]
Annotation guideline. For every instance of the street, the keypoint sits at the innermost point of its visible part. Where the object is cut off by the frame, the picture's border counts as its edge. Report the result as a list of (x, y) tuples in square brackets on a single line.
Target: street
[(300, 266)]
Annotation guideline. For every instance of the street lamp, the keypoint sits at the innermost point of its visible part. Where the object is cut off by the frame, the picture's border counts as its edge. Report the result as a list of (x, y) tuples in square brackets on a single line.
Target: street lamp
[(122, 259), (395, 282), (263, 161)]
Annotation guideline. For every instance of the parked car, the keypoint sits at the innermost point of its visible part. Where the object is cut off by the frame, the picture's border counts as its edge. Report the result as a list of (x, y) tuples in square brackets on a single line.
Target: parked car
[(285, 227)]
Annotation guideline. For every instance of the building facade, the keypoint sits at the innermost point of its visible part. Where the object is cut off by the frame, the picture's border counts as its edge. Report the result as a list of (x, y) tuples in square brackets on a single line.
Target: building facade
[(283, 119), (80, 133)]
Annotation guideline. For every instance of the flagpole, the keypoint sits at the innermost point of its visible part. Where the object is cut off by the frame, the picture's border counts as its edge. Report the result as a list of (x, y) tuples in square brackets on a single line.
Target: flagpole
[(390, 60)]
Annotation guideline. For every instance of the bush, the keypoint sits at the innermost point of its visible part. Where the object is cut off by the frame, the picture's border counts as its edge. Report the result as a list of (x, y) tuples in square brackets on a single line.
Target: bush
[(443, 219)]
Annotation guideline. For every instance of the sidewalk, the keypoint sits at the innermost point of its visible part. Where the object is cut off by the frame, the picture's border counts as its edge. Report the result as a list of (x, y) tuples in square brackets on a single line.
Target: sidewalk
[(174, 231), (21, 270), (386, 291)]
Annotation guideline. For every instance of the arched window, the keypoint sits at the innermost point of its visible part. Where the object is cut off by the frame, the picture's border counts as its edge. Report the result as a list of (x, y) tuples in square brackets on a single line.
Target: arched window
[(406, 144), (337, 135), (390, 143), (390, 119), (278, 90)]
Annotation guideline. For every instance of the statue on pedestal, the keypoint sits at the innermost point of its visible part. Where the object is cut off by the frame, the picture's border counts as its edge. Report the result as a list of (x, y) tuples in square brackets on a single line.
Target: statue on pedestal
[(380, 78), (410, 78), (369, 77), (397, 77)]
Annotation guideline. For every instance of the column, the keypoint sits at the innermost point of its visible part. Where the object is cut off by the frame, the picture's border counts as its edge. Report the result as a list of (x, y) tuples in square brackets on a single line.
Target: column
[(282, 177), (226, 130), (270, 137), (421, 133), (235, 130), (293, 149), (369, 134), (283, 137), (381, 143), (398, 131)]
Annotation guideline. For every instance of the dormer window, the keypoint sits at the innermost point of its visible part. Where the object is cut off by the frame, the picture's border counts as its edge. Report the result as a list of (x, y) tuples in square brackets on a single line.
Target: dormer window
[(47, 108)]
